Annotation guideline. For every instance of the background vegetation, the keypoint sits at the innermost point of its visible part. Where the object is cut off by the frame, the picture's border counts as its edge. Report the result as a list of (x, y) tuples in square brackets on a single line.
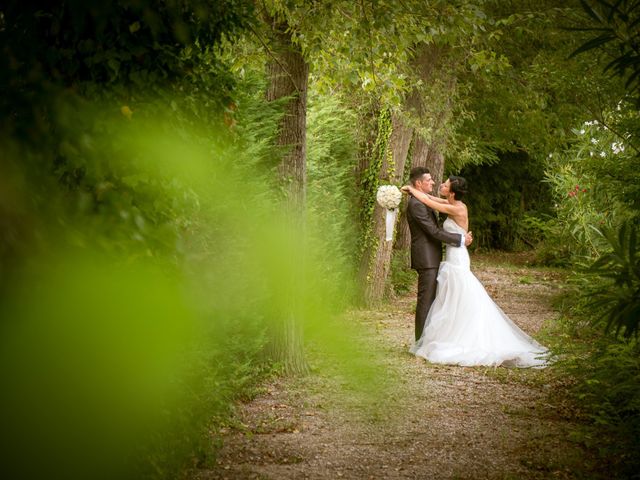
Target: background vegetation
[(151, 244)]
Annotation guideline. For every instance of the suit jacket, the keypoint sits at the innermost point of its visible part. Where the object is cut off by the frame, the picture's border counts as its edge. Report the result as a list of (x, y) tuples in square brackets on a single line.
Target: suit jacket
[(426, 236)]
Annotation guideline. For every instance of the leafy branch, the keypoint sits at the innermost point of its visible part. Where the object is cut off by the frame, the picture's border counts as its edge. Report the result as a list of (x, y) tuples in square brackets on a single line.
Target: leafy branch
[(617, 299), (618, 23)]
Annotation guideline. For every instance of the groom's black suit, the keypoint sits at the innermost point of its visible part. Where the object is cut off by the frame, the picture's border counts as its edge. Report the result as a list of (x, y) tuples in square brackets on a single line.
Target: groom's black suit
[(426, 254)]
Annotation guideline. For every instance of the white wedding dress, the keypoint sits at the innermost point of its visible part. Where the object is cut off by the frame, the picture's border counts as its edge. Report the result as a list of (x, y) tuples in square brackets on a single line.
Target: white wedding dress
[(465, 326)]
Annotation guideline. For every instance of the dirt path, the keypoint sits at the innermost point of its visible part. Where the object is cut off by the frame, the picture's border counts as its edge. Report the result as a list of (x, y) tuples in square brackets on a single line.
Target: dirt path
[(435, 422)]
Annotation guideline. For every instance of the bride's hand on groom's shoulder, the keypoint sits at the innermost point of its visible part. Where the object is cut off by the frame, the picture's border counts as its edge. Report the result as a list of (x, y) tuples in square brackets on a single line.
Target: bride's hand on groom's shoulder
[(406, 189)]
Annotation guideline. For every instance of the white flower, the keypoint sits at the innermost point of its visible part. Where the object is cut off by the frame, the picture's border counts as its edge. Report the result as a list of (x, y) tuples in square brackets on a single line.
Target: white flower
[(594, 140), (582, 131), (602, 154), (617, 147), (389, 196)]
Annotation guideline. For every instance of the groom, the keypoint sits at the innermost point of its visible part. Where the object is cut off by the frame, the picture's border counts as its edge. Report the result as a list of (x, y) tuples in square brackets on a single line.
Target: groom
[(426, 244)]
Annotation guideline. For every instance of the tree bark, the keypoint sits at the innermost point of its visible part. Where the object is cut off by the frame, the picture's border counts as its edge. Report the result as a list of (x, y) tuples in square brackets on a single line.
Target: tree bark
[(403, 235), (427, 152), (424, 155), (288, 74), (377, 263), (431, 157)]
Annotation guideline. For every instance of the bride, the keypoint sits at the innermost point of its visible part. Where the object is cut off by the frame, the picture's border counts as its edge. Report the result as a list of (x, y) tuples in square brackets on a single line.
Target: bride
[(464, 326)]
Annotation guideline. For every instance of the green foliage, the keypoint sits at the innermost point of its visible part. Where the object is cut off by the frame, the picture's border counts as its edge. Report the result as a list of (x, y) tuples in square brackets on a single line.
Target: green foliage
[(533, 229), (255, 121), (194, 216), (507, 202), (403, 279), (156, 203), (133, 182), (135, 197), (600, 374), (134, 373), (331, 193), (616, 300), (595, 184), (131, 47), (617, 24), (132, 206), (536, 94), (370, 180)]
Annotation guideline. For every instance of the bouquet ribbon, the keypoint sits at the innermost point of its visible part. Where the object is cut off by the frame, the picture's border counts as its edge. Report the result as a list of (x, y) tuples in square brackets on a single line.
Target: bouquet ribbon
[(390, 222)]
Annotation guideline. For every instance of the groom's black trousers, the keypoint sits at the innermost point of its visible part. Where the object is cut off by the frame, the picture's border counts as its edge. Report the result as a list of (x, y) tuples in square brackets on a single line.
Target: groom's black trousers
[(426, 295)]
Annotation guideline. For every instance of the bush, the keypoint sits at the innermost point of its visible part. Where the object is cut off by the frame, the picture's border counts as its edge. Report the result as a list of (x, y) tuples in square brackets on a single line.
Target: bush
[(498, 208), (403, 278), (331, 190), (604, 364), (594, 183), (615, 295), (604, 386)]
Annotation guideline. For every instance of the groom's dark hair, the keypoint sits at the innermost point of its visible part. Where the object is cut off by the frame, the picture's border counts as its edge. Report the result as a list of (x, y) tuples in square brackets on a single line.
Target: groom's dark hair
[(416, 174)]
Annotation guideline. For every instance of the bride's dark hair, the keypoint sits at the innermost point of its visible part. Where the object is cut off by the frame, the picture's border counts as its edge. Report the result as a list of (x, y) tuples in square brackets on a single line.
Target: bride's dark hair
[(458, 186)]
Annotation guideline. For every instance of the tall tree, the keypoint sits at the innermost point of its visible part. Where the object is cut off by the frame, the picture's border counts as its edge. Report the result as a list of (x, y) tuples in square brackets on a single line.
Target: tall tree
[(377, 260), (429, 139), (288, 74)]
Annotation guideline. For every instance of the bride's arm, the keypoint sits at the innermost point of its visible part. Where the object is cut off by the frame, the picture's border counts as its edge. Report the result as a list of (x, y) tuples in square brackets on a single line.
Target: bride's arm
[(437, 199), (441, 206)]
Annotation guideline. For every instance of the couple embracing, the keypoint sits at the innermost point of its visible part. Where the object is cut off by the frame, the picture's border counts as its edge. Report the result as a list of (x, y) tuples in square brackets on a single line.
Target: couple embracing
[(456, 321)]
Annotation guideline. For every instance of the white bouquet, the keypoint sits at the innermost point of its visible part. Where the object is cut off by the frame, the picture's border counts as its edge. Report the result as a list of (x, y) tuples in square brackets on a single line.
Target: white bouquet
[(388, 197)]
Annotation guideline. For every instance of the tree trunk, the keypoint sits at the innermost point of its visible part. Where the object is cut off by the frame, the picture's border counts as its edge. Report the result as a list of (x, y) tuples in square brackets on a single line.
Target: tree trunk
[(403, 235), (432, 158), (288, 74), (425, 152), (423, 155), (376, 263)]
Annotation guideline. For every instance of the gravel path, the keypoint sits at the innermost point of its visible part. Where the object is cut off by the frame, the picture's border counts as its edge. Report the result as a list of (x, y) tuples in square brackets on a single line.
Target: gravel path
[(423, 421)]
